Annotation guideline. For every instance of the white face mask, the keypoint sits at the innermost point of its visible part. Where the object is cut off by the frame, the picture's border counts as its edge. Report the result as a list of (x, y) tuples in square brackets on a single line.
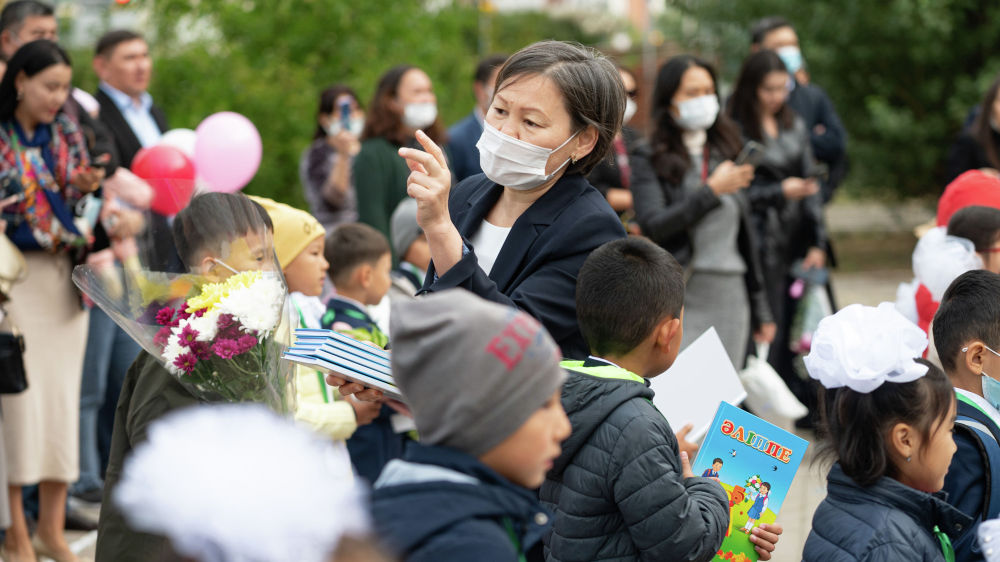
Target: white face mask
[(355, 126), (420, 115), (698, 114), (515, 163), (630, 109)]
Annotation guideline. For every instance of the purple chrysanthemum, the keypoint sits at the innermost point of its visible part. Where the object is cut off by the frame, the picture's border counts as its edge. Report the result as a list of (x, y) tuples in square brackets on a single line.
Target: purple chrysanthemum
[(188, 335), (162, 336), (201, 350), (165, 317), (246, 343), (226, 349), (186, 362)]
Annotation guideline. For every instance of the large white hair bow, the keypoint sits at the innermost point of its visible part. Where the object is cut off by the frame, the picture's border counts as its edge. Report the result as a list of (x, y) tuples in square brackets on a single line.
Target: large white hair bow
[(236, 483), (861, 347)]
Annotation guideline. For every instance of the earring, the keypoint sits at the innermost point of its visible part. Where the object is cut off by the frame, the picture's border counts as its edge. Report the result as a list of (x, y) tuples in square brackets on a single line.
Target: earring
[(908, 459), (20, 94), (572, 158)]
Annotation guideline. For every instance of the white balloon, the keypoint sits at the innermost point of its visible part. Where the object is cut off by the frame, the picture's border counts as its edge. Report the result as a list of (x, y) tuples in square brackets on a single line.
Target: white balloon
[(181, 139)]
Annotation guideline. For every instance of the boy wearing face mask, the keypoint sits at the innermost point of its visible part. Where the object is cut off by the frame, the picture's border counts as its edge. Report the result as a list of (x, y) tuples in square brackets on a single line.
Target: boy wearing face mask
[(967, 336)]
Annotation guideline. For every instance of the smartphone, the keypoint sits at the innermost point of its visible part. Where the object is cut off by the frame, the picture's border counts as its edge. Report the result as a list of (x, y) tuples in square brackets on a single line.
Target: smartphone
[(752, 154), (345, 115)]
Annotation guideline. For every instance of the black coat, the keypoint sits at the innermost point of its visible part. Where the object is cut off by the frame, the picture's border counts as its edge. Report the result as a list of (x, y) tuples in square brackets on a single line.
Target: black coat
[(617, 490), (814, 106), (537, 266), (440, 504), (125, 140), (665, 212), (967, 154), (885, 522)]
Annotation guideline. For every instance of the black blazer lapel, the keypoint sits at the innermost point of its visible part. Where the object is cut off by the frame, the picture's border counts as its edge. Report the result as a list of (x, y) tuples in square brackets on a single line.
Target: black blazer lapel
[(527, 228), (126, 141)]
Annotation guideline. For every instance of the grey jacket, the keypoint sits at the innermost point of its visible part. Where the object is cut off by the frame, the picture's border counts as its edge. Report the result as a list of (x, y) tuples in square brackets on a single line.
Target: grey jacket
[(617, 490)]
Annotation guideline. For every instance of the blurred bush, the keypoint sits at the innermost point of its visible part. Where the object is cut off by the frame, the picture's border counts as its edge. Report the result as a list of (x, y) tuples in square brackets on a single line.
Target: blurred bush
[(270, 59), (903, 74)]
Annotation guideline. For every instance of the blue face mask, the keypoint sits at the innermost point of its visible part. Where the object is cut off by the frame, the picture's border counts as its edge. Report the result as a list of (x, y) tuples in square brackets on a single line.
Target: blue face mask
[(991, 386), (792, 57)]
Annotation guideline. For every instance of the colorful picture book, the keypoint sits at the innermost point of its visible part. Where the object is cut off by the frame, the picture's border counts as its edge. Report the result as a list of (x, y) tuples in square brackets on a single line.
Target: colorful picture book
[(334, 352), (755, 462)]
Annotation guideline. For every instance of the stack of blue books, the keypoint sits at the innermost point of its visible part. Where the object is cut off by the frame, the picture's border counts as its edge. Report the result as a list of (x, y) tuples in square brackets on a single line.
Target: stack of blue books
[(345, 356)]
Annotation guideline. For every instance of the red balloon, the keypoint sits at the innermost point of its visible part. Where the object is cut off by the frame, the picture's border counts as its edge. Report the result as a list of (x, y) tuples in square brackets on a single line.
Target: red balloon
[(171, 174)]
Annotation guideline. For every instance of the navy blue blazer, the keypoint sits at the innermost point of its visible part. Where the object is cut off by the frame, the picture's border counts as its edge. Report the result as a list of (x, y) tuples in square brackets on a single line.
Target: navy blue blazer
[(537, 266), (973, 477), (462, 139)]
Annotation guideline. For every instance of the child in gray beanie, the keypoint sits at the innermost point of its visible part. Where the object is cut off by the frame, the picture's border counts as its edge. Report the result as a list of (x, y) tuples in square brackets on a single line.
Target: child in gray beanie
[(483, 383)]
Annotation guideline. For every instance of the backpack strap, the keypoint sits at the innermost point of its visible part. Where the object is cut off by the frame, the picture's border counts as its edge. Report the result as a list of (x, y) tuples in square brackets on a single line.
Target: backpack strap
[(989, 451)]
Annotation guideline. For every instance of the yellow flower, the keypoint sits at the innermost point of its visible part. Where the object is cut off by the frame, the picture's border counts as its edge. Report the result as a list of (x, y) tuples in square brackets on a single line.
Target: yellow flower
[(213, 293)]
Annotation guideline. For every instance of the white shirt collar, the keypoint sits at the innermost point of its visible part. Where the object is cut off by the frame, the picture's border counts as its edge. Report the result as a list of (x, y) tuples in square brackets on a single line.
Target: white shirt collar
[(992, 412)]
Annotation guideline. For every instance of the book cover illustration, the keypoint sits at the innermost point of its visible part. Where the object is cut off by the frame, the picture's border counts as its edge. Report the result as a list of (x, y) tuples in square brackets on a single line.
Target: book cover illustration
[(755, 462)]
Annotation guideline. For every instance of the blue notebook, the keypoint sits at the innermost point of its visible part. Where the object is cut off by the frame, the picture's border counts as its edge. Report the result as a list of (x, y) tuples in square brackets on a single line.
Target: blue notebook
[(343, 355), (755, 462)]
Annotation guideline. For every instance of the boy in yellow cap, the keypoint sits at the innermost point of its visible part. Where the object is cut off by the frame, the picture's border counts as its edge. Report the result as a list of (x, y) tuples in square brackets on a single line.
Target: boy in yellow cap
[(298, 244)]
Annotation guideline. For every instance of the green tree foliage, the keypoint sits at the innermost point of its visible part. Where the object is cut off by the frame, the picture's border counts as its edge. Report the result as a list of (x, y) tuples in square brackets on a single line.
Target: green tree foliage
[(270, 59), (903, 74)]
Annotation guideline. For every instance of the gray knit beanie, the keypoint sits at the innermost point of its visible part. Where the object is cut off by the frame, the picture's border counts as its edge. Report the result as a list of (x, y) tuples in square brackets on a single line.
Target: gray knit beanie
[(403, 226), (471, 371)]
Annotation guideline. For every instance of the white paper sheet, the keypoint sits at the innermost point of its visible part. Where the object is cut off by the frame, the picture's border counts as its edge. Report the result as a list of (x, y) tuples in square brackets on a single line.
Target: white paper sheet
[(690, 391)]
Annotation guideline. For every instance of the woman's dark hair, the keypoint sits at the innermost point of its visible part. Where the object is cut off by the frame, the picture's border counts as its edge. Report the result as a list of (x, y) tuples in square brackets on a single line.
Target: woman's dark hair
[(855, 426), (327, 103), (592, 90), (743, 105), (670, 157), (31, 58), (383, 121), (981, 128), (979, 224)]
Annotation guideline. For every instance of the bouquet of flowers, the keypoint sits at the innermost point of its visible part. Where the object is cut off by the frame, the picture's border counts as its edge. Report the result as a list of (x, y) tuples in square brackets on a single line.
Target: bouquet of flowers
[(218, 341), (220, 326)]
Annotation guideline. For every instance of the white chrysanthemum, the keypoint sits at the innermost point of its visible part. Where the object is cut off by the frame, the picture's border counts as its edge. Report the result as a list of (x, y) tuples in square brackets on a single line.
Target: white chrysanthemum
[(257, 307), (236, 483), (207, 326)]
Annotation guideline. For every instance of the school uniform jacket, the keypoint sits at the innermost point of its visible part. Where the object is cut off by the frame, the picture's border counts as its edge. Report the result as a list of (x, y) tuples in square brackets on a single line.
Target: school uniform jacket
[(973, 479), (537, 266)]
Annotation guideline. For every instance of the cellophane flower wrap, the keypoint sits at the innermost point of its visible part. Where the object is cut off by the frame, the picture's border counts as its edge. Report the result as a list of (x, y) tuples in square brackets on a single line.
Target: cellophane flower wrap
[(217, 324)]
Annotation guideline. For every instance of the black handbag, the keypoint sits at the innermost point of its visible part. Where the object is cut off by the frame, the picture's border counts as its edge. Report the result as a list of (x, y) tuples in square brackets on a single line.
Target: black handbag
[(13, 379)]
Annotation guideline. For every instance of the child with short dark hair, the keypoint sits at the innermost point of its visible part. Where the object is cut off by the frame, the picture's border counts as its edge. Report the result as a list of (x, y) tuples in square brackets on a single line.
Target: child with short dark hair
[(621, 489), (981, 226), (482, 381), (889, 429), (967, 337), (360, 261), (216, 235)]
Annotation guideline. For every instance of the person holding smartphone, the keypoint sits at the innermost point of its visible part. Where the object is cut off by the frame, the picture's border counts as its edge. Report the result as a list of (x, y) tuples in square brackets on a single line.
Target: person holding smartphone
[(325, 166), (784, 196), (689, 199)]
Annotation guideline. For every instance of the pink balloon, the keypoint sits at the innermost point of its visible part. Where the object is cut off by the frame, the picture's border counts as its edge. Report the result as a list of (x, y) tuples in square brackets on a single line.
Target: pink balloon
[(227, 151)]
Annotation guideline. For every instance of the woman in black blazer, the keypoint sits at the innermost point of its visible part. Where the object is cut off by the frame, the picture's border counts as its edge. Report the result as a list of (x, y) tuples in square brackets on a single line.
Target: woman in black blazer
[(519, 233)]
